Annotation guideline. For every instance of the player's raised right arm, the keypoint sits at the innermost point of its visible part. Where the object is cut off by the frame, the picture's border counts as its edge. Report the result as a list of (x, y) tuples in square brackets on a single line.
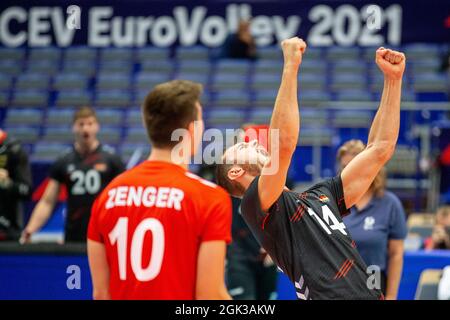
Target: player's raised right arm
[(359, 174), (42, 211), (286, 121)]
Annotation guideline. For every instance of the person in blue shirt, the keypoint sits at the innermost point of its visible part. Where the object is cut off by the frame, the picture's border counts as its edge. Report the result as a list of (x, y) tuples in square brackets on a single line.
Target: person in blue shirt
[(377, 224)]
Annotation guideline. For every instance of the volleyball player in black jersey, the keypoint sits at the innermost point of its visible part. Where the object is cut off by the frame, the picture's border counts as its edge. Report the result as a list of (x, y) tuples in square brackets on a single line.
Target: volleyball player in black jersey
[(303, 232)]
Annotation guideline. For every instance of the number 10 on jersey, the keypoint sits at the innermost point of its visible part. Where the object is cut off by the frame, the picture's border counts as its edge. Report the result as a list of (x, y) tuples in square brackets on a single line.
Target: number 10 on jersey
[(119, 235)]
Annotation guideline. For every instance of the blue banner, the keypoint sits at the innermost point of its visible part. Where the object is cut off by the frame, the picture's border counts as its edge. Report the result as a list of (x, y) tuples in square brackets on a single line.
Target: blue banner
[(137, 23)]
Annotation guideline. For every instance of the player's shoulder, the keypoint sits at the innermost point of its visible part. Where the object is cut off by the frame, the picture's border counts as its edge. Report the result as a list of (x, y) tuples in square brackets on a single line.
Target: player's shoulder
[(108, 150), (203, 186), (391, 198), (66, 155)]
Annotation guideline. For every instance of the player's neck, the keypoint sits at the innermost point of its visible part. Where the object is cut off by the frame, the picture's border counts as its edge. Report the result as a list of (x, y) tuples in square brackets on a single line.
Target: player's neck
[(165, 155), (86, 148)]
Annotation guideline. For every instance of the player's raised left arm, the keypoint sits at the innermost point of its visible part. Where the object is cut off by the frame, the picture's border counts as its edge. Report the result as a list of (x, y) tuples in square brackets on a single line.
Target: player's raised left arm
[(359, 174), (98, 265), (286, 121)]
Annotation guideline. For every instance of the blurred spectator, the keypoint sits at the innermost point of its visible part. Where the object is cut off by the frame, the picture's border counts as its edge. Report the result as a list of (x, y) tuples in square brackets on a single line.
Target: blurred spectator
[(377, 224), (240, 45), (85, 169), (440, 237), (15, 186)]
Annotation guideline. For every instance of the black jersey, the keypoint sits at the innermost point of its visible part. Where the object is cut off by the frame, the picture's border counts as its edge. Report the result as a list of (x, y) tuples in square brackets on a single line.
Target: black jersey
[(305, 236), (85, 176), (14, 160)]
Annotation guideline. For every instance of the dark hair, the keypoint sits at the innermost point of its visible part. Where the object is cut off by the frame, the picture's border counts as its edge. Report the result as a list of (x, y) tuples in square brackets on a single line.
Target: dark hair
[(84, 112), (170, 106)]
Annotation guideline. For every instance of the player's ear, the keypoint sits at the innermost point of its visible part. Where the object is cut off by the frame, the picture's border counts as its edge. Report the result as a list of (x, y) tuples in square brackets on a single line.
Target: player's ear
[(235, 172)]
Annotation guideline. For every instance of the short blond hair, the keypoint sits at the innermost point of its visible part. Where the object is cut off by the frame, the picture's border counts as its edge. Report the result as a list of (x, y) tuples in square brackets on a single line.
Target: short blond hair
[(84, 112), (354, 147)]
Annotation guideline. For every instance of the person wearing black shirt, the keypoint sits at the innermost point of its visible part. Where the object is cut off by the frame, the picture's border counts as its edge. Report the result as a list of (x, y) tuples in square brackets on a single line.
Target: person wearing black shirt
[(303, 232), (240, 45), (85, 169), (15, 186)]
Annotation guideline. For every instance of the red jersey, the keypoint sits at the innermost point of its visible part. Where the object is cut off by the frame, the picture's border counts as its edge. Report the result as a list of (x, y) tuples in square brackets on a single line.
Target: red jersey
[(152, 220)]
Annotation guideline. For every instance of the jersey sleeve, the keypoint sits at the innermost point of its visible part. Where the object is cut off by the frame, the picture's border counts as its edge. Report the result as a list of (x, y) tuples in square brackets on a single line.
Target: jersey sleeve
[(217, 225), (397, 223), (336, 189), (93, 232), (57, 171)]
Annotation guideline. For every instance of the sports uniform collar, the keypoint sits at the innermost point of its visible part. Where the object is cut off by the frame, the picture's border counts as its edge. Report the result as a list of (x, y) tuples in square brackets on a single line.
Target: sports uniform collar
[(165, 163), (88, 153)]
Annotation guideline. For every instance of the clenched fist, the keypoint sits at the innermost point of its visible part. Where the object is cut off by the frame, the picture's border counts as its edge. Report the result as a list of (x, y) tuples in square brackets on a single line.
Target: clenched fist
[(391, 63), (293, 50)]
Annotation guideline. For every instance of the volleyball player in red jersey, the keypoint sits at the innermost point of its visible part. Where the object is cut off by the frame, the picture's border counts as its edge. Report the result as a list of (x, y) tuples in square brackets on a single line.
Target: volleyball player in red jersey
[(158, 231)]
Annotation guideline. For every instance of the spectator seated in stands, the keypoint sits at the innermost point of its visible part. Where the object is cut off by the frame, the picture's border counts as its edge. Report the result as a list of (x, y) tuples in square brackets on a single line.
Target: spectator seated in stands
[(240, 45), (440, 238)]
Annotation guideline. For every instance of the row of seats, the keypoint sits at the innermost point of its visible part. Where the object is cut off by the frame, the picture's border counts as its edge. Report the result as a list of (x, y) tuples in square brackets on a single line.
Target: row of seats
[(415, 51)]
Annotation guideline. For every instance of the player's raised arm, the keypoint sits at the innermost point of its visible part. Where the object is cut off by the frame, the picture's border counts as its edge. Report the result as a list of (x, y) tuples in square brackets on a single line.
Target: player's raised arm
[(286, 120), (360, 172)]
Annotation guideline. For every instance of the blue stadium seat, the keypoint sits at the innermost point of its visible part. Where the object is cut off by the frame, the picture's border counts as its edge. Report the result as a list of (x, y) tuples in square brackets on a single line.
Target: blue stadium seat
[(116, 66), (44, 67), (113, 80), (192, 53), (163, 66), (339, 53), (69, 80), (47, 151), (110, 135), (80, 53), (233, 117), (234, 66), (232, 98), (33, 98), (197, 77), (73, 98), (33, 81), (353, 95), (10, 67), (270, 53), (134, 118), (262, 66), (116, 54), (59, 116), (16, 54), (26, 134), (50, 54), (146, 81), (58, 134), (135, 136), (265, 81), (194, 66), (17, 117), (86, 68), (229, 81), (152, 54), (128, 150), (6, 81), (112, 98), (110, 117)]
